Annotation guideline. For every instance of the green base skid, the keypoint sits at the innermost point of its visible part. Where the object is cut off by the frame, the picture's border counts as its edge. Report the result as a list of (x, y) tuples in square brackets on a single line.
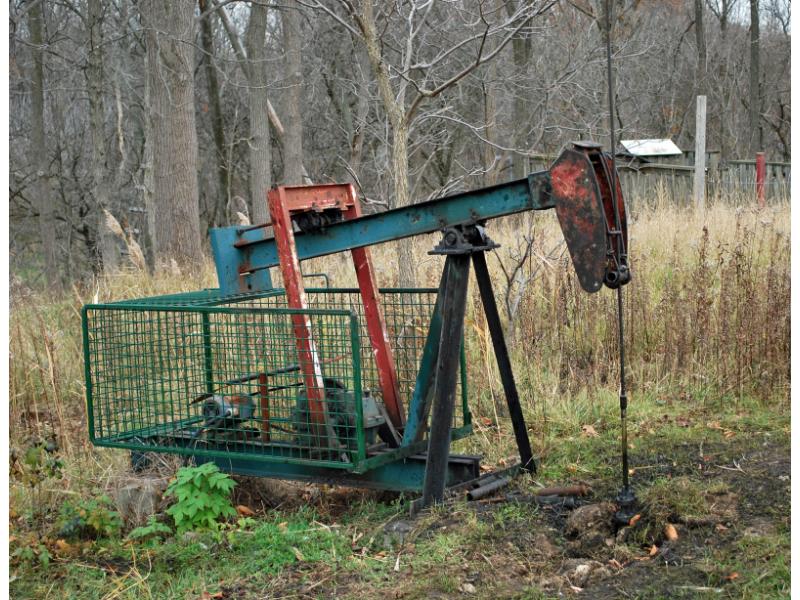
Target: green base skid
[(405, 475)]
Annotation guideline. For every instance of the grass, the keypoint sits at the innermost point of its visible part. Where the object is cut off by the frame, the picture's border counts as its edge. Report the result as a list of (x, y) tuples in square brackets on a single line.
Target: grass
[(708, 350)]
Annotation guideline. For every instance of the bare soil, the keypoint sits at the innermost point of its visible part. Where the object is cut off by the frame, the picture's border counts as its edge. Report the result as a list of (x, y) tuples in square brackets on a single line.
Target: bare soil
[(510, 547)]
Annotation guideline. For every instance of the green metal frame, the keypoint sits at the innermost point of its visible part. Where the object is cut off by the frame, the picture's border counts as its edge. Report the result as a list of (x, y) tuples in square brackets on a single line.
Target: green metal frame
[(185, 335)]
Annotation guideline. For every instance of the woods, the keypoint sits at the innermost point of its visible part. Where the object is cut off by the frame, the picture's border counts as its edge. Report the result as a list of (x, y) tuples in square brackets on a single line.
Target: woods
[(173, 118)]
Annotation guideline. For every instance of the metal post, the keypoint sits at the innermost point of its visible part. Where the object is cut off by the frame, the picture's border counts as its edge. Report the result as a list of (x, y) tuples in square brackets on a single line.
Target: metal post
[(503, 362), (307, 354), (700, 154), (454, 303), (761, 176)]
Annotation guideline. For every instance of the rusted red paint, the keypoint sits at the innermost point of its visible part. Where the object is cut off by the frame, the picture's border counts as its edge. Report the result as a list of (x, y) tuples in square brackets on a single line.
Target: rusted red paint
[(580, 214), (284, 201), (605, 172), (761, 177), (582, 179), (376, 324), (568, 178), (307, 354), (263, 393)]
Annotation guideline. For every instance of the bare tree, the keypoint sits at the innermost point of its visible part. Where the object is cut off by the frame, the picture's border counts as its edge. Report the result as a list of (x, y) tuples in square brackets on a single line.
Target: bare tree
[(170, 51), (106, 240), (45, 199), (702, 56), (217, 123), (414, 69), (260, 140), (756, 141), (293, 141)]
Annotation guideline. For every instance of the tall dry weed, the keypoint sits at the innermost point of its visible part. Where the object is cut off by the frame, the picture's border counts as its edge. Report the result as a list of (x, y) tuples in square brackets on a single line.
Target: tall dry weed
[(707, 313)]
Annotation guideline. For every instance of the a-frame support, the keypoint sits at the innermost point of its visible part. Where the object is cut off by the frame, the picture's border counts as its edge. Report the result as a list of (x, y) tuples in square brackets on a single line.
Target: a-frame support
[(459, 244)]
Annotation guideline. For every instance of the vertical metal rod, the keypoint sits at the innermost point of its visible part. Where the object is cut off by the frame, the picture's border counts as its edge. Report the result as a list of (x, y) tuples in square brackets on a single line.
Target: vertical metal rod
[(503, 361), (626, 495), (453, 306), (263, 394), (208, 357)]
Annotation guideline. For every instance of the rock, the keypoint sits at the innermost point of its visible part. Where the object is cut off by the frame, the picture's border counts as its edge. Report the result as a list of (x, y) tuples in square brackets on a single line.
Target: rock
[(468, 588), (581, 573), (138, 498), (588, 528), (395, 533), (589, 518)]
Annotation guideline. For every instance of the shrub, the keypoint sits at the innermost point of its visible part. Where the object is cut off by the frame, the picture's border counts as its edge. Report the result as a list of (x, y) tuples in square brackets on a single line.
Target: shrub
[(89, 519), (202, 497)]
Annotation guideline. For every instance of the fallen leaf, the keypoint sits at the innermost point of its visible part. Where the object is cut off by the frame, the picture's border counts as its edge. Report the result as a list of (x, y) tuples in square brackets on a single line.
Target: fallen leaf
[(615, 563), (732, 576), (245, 511), (653, 550), (588, 431), (713, 425), (283, 526), (298, 555), (634, 520), (670, 532), (487, 421), (728, 434), (64, 547)]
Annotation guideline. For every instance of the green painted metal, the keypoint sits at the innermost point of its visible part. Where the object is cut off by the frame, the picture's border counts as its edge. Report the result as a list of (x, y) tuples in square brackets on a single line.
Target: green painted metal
[(401, 475), (240, 267), (147, 359)]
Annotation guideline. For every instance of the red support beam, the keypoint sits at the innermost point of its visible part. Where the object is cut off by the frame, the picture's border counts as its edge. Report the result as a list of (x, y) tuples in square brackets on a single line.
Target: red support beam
[(376, 325), (284, 201), (307, 355)]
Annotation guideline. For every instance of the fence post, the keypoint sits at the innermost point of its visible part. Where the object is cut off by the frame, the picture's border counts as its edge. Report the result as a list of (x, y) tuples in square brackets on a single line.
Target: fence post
[(700, 154), (761, 176)]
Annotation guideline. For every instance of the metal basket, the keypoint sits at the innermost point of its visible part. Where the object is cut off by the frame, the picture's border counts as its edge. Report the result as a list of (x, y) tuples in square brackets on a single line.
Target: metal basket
[(218, 378)]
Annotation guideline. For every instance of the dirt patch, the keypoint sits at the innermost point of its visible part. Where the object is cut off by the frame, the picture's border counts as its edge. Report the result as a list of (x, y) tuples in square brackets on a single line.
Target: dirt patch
[(721, 498)]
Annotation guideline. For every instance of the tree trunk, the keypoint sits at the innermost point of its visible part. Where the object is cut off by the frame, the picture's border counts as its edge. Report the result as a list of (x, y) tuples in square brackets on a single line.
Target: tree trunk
[(293, 140), (45, 199), (148, 183), (395, 110), (260, 141), (520, 50), (723, 77), (217, 125), (700, 37), (406, 264), (755, 76), (107, 241), (176, 197)]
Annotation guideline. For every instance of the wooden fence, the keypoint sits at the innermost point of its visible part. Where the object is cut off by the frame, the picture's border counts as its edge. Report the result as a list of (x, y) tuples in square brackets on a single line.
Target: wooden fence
[(734, 181)]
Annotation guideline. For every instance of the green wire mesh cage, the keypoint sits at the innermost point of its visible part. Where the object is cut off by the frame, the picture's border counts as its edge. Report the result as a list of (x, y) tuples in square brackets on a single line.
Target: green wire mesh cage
[(214, 376)]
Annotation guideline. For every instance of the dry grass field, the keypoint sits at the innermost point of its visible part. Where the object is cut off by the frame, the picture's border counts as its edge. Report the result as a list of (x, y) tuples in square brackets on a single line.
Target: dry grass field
[(708, 359)]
